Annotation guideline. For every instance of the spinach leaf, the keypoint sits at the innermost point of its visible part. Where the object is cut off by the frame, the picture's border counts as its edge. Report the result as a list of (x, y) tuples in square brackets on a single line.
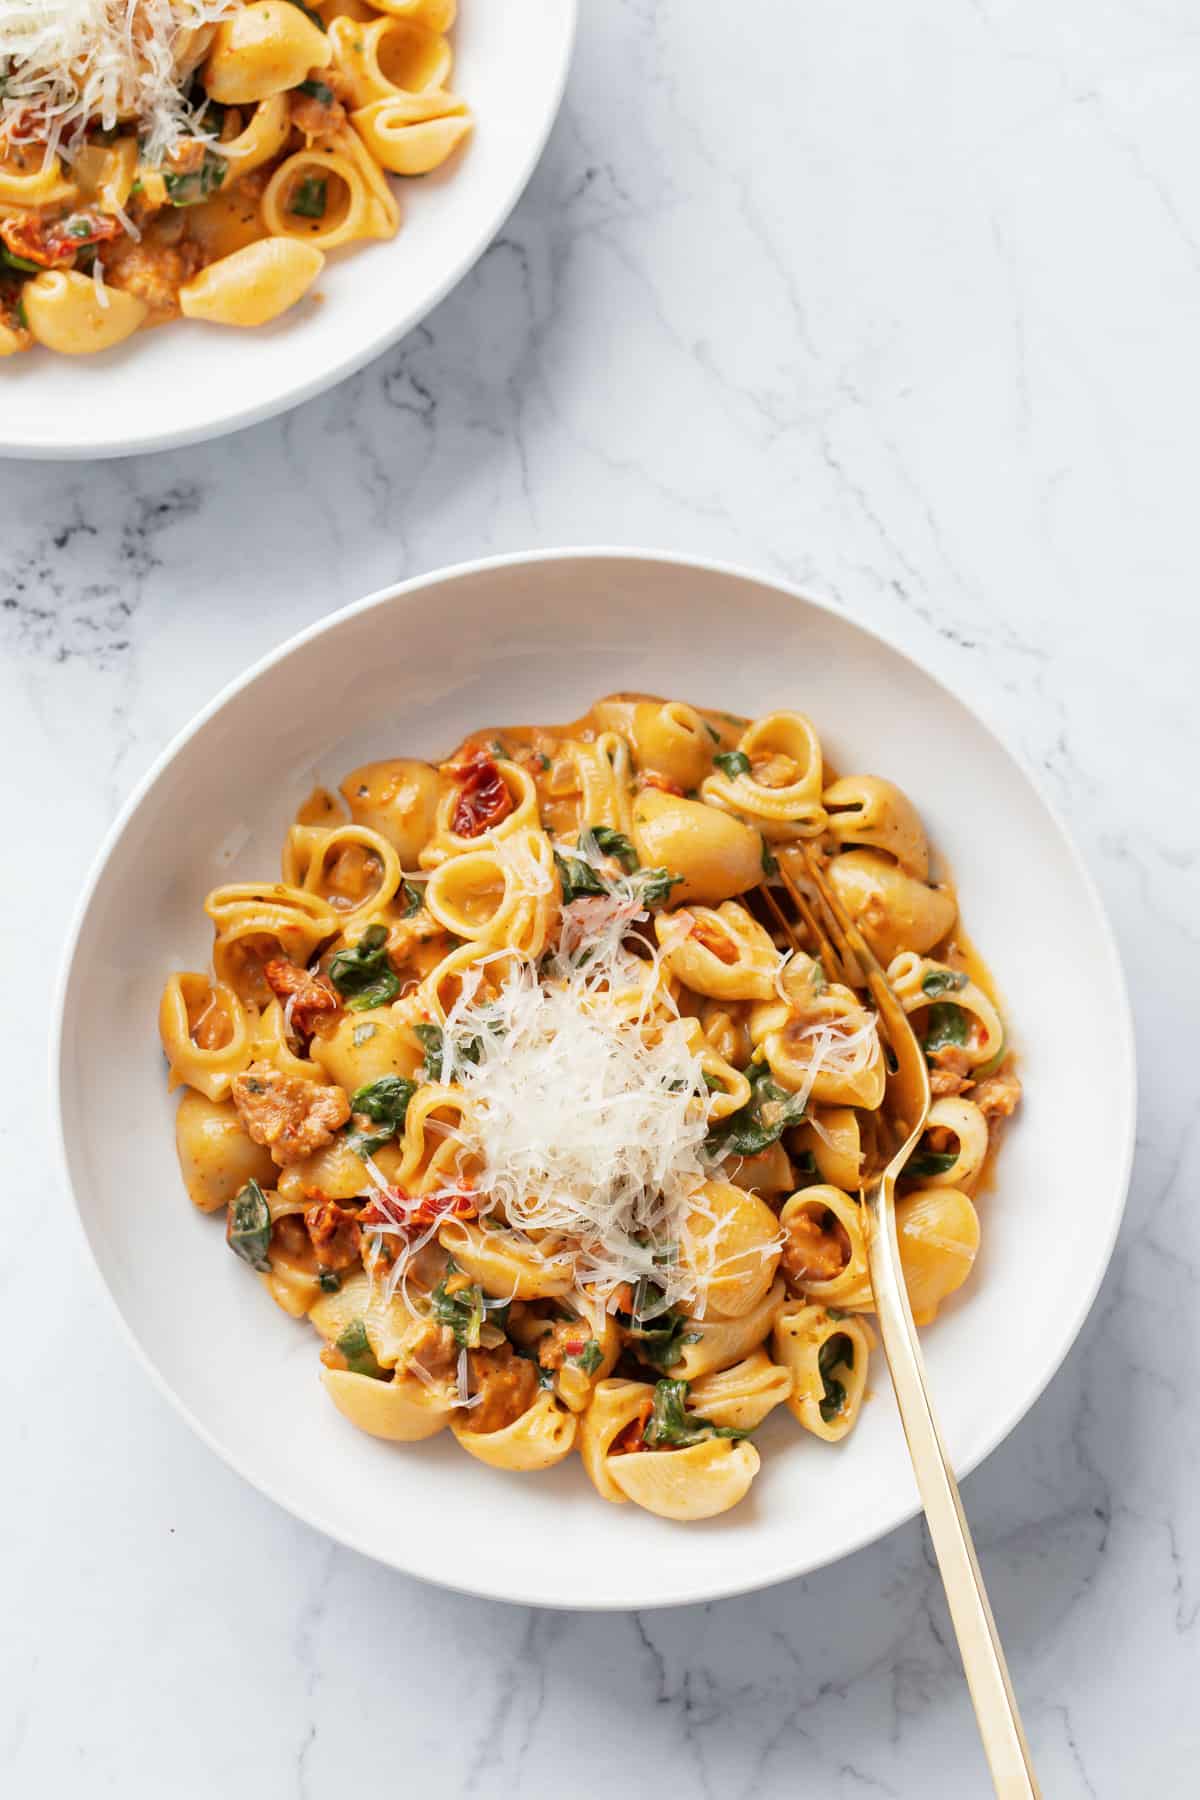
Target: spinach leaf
[(414, 900), (654, 886), (588, 1359), (248, 1226), (658, 1340), (355, 1346), (188, 189), (435, 1050), (364, 971), (19, 262), (578, 878), (770, 866), (615, 844), (833, 1400), (671, 1427), (386, 1102), (434, 1042), (732, 763), (767, 1114), (836, 1352), (309, 197), (930, 1162), (943, 981), (461, 1310), (712, 731), (947, 1025)]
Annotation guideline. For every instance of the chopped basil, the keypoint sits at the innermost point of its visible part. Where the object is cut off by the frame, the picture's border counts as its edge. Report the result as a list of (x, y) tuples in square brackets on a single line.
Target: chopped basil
[(413, 900), (947, 1025), (329, 1281), (316, 90), (248, 1226), (462, 1311), (588, 1359), (355, 1346), (386, 1102), (767, 1114), (732, 763), (943, 981), (713, 1083), (21, 263), (712, 731), (836, 1352), (197, 184), (930, 1162), (769, 865), (309, 197), (671, 1427), (615, 844), (659, 1338), (364, 972)]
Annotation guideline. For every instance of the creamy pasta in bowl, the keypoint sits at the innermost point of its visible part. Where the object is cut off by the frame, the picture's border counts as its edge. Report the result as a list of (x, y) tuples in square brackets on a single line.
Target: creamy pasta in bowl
[(505, 1086), (508, 1087), (282, 188)]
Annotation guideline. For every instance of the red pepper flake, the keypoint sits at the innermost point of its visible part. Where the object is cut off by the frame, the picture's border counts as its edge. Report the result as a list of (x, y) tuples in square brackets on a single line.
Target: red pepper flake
[(483, 798), (650, 778)]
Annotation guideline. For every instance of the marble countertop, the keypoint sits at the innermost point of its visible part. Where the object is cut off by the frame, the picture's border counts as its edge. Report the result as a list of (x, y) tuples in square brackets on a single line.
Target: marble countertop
[(900, 303)]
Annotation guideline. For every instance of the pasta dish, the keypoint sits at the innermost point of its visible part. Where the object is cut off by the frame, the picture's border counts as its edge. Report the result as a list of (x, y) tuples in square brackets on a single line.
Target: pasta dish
[(200, 157), (509, 1088)]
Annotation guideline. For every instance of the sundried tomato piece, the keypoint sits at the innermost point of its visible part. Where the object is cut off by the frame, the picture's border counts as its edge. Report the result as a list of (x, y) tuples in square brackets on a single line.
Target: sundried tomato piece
[(404, 1213), (54, 244), (483, 797)]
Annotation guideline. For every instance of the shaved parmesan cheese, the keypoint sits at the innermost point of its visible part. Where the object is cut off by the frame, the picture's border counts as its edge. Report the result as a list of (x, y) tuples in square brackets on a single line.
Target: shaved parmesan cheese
[(67, 64)]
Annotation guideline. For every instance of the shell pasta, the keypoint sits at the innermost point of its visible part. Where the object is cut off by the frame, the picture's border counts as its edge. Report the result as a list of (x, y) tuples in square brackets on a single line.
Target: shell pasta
[(200, 158), (510, 1088)]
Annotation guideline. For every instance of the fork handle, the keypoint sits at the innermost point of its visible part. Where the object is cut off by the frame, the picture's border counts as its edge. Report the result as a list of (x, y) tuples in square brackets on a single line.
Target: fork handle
[(978, 1642)]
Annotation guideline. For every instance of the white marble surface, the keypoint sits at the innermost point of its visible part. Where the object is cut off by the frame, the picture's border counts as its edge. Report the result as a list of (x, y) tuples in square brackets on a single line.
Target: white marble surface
[(900, 302)]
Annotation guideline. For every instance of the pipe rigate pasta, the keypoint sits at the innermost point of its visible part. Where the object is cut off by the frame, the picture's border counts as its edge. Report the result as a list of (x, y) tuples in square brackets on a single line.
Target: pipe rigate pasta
[(513, 1089)]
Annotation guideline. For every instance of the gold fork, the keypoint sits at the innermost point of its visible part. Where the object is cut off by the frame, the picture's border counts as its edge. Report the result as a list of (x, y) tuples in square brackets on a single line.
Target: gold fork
[(846, 956)]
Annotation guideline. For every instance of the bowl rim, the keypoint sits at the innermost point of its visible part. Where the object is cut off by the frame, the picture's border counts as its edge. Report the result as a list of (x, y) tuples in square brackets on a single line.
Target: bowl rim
[(714, 1587), (355, 358)]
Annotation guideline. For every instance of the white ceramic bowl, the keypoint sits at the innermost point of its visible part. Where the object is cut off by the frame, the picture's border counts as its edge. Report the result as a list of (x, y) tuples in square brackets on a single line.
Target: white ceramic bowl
[(538, 637), (187, 381)]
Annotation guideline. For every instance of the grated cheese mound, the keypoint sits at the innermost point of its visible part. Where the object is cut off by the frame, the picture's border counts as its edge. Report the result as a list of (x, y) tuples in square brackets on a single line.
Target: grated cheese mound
[(68, 64), (589, 1115)]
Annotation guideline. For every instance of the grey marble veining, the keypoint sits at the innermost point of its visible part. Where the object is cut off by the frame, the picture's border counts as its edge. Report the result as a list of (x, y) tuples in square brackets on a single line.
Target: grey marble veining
[(899, 303)]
